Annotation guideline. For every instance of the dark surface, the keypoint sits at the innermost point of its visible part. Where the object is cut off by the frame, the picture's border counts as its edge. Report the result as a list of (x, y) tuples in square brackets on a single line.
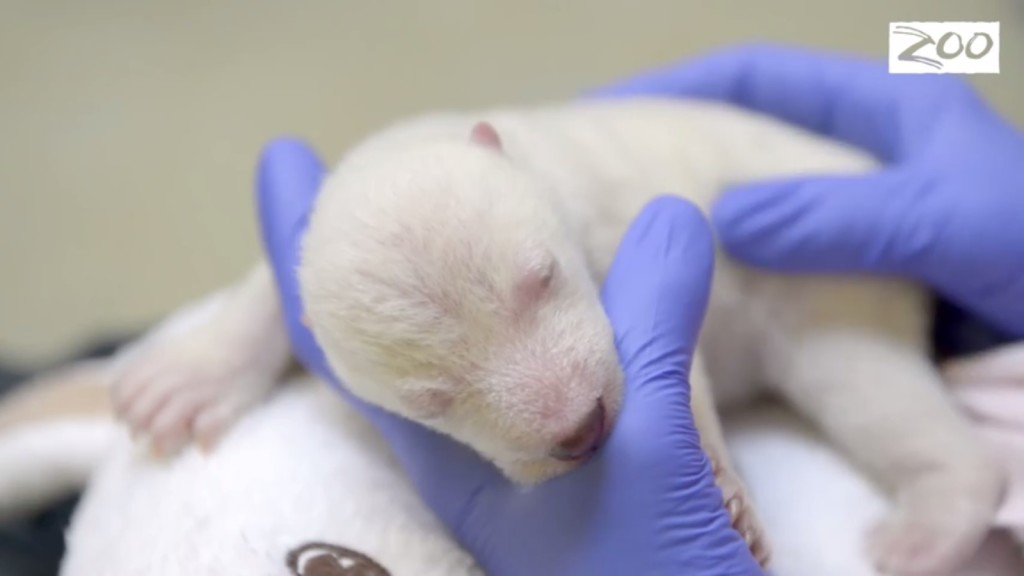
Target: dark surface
[(957, 333), (34, 547)]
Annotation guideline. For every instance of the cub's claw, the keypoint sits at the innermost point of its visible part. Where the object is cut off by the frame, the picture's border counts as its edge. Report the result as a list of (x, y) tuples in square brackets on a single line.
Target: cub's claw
[(741, 512)]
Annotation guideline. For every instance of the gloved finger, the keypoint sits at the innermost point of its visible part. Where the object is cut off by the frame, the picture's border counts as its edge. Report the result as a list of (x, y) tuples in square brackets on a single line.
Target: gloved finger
[(839, 95), (656, 296), (288, 179), (879, 223), (656, 290)]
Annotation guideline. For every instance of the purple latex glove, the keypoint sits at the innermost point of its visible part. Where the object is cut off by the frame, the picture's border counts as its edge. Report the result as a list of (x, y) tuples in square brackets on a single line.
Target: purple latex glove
[(646, 503), (946, 210)]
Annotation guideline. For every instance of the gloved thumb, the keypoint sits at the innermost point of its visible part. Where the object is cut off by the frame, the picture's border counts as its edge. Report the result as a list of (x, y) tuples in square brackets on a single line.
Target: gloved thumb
[(656, 296), (287, 182), (656, 292), (876, 223)]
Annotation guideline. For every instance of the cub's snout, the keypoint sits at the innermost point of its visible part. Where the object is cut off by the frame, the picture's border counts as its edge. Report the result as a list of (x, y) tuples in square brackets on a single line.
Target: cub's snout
[(586, 439)]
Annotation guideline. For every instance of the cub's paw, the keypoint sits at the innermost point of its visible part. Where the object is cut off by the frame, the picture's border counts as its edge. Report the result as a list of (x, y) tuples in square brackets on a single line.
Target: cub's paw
[(189, 389), (937, 526), (741, 511)]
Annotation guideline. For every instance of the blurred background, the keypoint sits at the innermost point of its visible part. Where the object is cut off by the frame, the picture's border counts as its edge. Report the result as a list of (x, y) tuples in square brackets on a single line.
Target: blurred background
[(129, 131)]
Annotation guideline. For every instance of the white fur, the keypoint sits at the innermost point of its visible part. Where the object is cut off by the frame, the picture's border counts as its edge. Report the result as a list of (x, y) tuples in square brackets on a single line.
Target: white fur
[(453, 279), (305, 466), (68, 451), (301, 468), (817, 506)]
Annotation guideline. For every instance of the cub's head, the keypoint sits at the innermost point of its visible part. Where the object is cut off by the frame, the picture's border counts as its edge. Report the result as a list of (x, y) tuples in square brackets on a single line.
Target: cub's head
[(442, 285)]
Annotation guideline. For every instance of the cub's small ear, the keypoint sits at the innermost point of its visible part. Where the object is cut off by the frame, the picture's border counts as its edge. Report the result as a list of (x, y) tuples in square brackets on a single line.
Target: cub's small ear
[(484, 134), (425, 399)]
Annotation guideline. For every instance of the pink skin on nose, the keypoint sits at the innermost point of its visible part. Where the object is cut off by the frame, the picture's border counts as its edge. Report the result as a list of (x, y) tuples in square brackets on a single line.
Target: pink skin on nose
[(586, 439)]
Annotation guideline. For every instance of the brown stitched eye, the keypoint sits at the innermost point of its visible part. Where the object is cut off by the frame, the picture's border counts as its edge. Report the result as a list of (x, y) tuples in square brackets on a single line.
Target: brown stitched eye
[(322, 559)]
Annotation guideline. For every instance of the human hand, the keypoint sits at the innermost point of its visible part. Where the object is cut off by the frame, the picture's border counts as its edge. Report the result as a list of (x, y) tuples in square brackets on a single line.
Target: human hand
[(647, 502), (945, 210)]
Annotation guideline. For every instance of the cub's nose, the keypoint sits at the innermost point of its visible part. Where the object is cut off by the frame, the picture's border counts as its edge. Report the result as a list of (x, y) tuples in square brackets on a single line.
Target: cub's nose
[(585, 440)]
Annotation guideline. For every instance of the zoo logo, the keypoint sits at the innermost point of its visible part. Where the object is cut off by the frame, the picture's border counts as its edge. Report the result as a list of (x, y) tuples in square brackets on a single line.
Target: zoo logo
[(944, 47), (910, 54)]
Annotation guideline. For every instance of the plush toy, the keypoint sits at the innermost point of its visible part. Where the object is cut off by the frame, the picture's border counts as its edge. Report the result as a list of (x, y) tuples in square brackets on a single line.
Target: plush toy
[(304, 486)]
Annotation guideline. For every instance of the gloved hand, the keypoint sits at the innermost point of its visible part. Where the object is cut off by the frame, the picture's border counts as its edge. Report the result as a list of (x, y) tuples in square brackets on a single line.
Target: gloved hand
[(647, 503), (946, 210)]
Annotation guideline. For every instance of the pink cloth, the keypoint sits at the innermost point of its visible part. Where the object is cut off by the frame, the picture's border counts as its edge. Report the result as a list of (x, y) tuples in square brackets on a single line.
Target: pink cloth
[(990, 388)]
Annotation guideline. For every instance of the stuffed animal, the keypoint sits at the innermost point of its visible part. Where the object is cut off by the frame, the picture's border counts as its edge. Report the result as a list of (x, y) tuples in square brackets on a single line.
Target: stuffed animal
[(303, 485)]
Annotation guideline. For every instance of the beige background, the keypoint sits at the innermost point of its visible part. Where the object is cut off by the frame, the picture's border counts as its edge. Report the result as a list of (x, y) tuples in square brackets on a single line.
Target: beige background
[(129, 130)]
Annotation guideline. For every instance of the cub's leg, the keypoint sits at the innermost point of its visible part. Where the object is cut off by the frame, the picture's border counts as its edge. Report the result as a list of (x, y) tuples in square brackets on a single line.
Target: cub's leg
[(192, 383), (734, 492), (857, 367)]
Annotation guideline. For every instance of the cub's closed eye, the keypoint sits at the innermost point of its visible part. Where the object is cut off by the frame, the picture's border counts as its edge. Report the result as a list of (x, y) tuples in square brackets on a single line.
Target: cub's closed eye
[(548, 275)]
